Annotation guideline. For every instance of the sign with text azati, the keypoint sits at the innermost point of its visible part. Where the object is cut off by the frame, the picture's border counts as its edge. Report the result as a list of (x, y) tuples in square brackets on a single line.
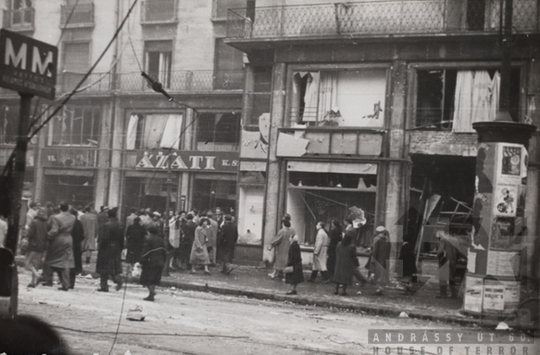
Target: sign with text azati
[(202, 161), (27, 65)]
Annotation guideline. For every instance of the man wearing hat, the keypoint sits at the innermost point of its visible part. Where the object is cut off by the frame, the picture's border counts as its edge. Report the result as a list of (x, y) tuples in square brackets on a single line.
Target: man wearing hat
[(380, 257), (110, 245)]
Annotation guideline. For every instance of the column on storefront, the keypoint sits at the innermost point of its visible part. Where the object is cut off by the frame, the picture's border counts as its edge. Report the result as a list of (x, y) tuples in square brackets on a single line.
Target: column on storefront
[(118, 135)]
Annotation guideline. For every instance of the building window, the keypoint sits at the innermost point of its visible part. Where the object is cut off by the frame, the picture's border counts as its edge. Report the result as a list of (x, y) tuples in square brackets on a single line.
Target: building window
[(456, 98), (158, 57), (20, 15), (229, 67), (9, 123), (351, 98), (76, 61), (259, 96), (75, 126), (222, 6), (158, 11), (154, 131), (320, 197), (79, 12), (218, 131)]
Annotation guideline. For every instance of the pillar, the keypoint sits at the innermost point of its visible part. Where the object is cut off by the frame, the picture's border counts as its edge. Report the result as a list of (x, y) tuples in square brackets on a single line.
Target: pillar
[(492, 284)]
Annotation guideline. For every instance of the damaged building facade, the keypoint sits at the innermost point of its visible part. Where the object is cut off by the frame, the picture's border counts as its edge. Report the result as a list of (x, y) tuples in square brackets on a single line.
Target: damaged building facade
[(371, 104), (117, 142)]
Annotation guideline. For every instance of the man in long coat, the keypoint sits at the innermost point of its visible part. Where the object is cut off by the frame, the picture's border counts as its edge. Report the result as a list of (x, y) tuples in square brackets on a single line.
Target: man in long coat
[(281, 244), (381, 257), (228, 236), (320, 253), (89, 222), (188, 235), (110, 245), (59, 255)]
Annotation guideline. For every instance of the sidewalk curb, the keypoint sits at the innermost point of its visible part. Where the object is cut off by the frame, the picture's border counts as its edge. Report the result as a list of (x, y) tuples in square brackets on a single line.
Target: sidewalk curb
[(308, 301)]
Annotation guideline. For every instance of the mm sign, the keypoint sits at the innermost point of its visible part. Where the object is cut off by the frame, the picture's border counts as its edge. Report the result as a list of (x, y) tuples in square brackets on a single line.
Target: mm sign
[(27, 65)]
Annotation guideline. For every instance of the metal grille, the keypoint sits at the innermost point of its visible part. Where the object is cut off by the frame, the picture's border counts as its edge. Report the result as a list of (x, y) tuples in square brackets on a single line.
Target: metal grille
[(379, 17), (187, 80)]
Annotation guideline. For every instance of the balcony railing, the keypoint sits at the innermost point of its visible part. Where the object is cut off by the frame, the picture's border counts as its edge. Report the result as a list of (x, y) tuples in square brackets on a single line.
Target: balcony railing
[(82, 16), (162, 11), (20, 19), (187, 80), (95, 83), (378, 18)]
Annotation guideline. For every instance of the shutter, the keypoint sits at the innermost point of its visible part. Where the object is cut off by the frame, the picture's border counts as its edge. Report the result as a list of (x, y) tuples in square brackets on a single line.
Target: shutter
[(76, 56)]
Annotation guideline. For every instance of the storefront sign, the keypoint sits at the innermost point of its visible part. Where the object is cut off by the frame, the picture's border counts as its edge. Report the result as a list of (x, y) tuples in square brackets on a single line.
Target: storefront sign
[(188, 160)]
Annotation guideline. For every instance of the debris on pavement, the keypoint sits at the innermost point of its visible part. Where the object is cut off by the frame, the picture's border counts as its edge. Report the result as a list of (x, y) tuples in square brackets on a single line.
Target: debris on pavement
[(403, 315), (502, 326), (136, 313)]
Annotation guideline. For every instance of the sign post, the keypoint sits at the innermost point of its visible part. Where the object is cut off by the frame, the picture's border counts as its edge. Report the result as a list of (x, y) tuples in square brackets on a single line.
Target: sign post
[(28, 66)]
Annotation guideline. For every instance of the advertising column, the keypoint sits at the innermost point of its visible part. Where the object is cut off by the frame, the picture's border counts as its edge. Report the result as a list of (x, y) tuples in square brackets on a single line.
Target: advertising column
[(494, 259)]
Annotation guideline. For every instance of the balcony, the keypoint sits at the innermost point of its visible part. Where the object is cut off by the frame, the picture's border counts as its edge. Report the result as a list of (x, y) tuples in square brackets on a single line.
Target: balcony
[(20, 19), (330, 141), (158, 12), (376, 18), (95, 83), (185, 80), (82, 15)]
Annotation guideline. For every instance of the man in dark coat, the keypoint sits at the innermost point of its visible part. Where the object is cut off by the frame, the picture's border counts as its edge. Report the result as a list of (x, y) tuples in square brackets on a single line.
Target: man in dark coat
[(135, 241), (447, 253), (186, 242), (77, 234), (37, 238), (380, 257), (153, 260), (335, 236), (110, 245), (228, 236)]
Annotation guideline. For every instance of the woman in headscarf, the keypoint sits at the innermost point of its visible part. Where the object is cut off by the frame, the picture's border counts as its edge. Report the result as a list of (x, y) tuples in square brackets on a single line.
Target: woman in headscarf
[(199, 251), (346, 262), (294, 263), (153, 260)]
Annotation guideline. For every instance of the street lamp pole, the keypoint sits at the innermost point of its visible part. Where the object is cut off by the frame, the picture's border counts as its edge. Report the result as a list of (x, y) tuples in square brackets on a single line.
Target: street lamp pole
[(166, 229)]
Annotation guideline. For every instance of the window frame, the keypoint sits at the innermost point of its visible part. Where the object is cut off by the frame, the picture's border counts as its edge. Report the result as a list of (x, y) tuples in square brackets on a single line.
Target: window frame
[(237, 112), (144, 114), (412, 93), (146, 61), (144, 20), (97, 114), (337, 67), (81, 41)]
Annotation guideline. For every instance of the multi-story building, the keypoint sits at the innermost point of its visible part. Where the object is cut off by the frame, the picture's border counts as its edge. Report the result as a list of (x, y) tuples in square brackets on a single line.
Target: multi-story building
[(371, 104), (108, 144)]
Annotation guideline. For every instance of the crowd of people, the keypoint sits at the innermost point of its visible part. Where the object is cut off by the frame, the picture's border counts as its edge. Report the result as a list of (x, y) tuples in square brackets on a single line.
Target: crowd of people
[(335, 258), (59, 239)]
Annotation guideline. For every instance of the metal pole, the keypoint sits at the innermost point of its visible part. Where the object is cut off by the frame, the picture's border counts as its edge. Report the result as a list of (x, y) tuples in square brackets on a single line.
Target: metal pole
[(166, 229), (506, 62), (17, 175)]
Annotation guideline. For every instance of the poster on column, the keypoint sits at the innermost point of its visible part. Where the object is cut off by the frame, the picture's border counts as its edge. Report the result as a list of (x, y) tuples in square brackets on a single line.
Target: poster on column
[(493, 299), (510, 164), (473, 294), (505, 200), (503, 263)]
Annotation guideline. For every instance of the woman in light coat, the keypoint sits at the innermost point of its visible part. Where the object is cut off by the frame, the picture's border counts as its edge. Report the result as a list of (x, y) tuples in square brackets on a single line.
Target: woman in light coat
[(199, 251), (281, 244), (320, 253)]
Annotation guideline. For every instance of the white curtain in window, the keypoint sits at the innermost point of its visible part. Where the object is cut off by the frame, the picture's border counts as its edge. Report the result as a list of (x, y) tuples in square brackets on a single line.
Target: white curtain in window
[(463, 101), (164, 64), (495, 89), (131, 136), (328, 94), (171, 134), (153, 130), (311, 97), (481, 97)]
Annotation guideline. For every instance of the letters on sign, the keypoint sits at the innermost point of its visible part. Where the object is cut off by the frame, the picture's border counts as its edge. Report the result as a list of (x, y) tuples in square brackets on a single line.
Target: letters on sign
[(207, 161)]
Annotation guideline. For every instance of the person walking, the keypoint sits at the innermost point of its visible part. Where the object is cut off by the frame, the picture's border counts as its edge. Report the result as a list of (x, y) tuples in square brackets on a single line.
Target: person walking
[(380, 257), (213, 229), (77, 235), (281, 244), (228, 236), (152, 260), (110, 245), (448, 254), (59, 252), (335, 236), (89, 222), (37, 238), (320, 253), (346, 263), (135, 234), (408, 265), (294, 261), (199, 251)]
